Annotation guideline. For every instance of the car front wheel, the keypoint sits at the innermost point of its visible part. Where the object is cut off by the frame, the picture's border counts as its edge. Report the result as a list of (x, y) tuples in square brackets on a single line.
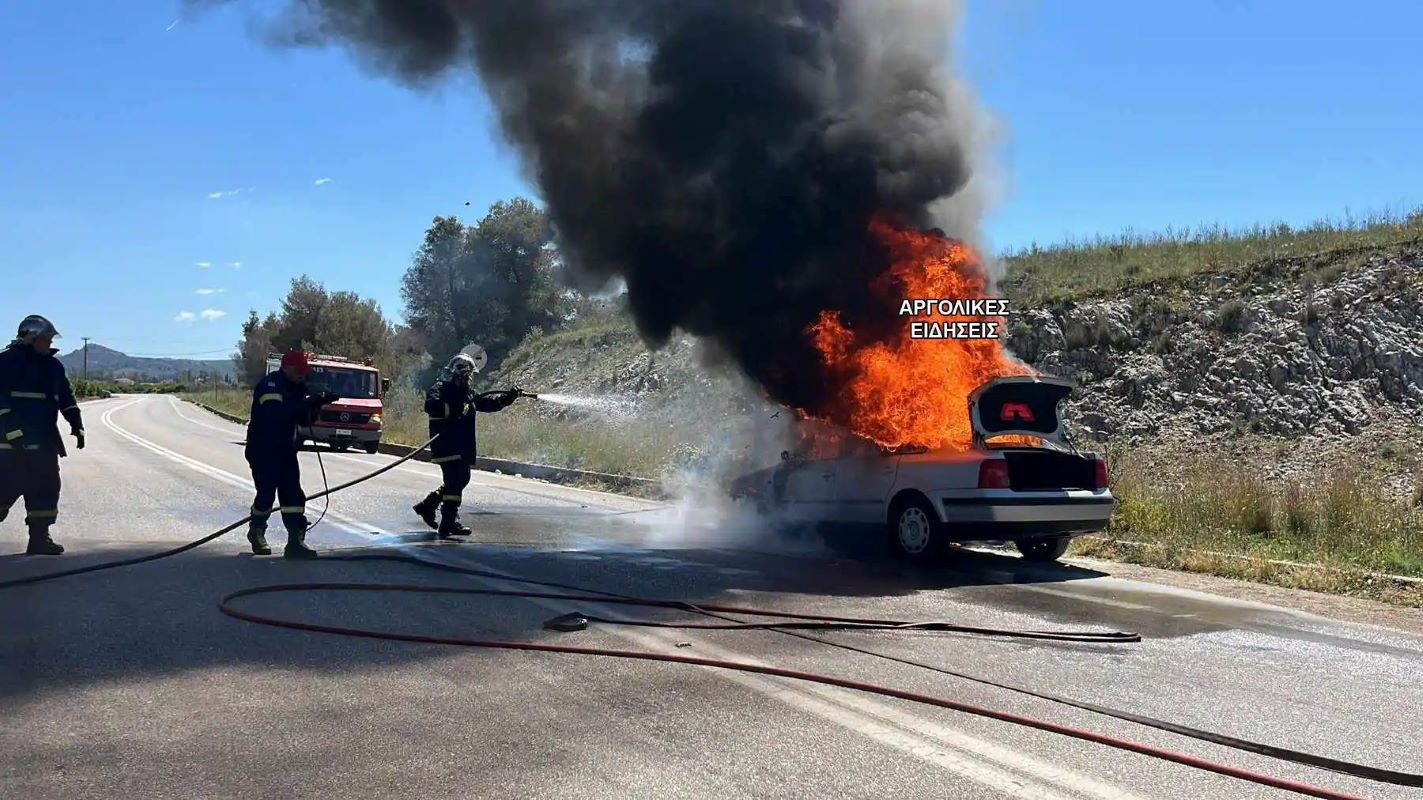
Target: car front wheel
[(914, 531), (1047, 548)]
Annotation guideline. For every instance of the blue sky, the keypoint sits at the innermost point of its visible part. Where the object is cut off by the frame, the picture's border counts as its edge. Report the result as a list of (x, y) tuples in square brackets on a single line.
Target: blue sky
[(142, 161)]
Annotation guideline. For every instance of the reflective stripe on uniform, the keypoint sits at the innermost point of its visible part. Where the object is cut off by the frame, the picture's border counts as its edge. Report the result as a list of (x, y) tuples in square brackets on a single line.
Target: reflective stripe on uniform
[(293, 509), (4, 446), (444, 459), (4, 411), (49, 513), (272, 396), (451, 498), (30, 395), (13, 435), (66, 408)]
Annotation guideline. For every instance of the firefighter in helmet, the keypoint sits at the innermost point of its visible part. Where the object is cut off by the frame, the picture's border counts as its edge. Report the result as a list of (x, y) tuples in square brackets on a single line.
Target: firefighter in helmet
[(281, 402), (451, 405), (34, 393)]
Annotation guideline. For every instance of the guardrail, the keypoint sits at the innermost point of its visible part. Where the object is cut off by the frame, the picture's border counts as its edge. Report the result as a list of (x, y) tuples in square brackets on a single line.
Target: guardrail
[(643, 486)]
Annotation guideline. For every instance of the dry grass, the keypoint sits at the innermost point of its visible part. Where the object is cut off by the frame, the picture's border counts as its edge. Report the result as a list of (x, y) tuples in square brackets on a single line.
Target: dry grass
[(1342, 523), (1107, 264)]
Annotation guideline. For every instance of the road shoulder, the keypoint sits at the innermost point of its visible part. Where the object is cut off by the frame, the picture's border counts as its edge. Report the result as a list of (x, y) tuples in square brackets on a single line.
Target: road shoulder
[(1330, 606)]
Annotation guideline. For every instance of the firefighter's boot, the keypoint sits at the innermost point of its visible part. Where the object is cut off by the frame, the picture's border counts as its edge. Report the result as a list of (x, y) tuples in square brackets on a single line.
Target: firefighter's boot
[(296, 546), (41, 544), (450, 525), (257, 537), (426, 509)]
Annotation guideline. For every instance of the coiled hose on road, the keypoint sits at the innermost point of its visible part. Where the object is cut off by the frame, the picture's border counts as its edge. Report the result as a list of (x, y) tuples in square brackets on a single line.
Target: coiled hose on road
[(802, 622)]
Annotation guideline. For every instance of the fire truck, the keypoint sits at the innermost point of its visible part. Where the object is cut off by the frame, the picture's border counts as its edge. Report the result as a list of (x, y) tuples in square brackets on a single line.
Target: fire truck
[(355, 419)]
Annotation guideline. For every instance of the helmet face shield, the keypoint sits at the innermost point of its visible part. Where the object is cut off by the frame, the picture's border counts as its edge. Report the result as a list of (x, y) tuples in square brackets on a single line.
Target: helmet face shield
[(461, 367)]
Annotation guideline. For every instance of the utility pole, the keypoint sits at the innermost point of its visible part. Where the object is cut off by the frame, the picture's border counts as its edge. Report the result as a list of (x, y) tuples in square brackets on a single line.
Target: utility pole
[(86, 356)]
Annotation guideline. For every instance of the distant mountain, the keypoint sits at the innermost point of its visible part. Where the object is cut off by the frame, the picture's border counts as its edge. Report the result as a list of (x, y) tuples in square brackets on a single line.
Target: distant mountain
[(106, 363)]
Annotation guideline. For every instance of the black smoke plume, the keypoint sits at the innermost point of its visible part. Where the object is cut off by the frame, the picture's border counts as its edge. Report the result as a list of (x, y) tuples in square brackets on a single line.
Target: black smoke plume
[(722, 157)]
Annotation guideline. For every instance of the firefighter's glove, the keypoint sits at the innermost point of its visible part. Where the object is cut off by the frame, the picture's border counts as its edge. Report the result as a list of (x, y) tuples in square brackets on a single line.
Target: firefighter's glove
[(78, 434)]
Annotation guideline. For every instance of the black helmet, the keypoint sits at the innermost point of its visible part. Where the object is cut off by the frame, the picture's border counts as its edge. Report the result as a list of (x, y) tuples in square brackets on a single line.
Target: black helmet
[(33, 327)]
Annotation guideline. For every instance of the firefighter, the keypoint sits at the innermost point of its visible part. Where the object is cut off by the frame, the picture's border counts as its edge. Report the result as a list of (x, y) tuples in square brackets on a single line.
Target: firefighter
[(281, 402), (452, 406), (34, 392)]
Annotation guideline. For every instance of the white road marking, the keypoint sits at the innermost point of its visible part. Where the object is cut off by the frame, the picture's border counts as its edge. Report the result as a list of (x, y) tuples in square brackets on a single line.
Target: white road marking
[(989, 764)]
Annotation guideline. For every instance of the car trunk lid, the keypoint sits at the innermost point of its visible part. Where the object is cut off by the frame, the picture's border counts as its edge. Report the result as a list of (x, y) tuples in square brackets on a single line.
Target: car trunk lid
[(1018, 406)]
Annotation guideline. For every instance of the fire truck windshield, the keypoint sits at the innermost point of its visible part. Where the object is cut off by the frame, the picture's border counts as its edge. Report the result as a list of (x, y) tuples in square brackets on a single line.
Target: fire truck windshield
[(346, 383)]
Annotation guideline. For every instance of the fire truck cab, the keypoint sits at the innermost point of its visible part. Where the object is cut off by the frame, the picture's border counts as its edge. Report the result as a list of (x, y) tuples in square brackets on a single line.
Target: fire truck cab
[(355, 419)]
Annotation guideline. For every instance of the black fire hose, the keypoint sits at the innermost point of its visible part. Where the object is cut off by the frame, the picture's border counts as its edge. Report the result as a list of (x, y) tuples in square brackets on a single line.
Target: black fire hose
[(802, 622)]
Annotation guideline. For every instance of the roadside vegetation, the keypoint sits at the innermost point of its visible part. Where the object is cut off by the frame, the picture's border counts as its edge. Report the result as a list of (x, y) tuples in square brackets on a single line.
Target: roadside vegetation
[(1107, 264), (1339, 528), (100, 388)]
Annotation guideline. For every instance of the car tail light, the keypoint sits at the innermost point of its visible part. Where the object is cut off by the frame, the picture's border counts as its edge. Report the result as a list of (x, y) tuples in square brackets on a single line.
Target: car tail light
[(1100, 465), (993, 474)]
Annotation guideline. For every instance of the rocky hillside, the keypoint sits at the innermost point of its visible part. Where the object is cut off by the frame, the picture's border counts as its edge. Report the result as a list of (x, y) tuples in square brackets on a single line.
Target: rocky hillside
[(1318, 350), (1292, 348)]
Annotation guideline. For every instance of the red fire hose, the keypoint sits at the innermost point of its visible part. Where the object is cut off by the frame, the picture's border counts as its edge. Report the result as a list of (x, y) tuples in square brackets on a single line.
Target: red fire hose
[(225, 605)]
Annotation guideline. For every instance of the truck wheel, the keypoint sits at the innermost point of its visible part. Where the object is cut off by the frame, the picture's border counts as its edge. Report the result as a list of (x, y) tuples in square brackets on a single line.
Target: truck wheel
[(914, 532), (373, 448), (1047, 548)]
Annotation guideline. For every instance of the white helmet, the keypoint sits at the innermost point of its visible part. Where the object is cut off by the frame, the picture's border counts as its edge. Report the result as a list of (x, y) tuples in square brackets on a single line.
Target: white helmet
[(461, 366)]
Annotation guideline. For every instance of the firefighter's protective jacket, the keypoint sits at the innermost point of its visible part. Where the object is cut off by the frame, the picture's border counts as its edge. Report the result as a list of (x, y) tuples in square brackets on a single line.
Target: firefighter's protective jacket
[(279, 405), (452, 408), (34, 392)]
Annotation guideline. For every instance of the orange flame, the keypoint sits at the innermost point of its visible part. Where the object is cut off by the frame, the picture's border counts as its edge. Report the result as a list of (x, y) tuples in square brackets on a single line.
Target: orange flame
[(914, 391)]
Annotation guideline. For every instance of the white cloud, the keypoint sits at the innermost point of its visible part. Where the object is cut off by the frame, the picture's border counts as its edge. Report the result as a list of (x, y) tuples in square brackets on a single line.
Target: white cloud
[(323, 181), (202, 264), (172, 25), (209, 291), (237, 265), (211, 314), (228, 193), (185, 316)]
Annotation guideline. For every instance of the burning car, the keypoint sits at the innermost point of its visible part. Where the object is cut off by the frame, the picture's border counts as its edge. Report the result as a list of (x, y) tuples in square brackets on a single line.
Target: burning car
[(1020, 480)]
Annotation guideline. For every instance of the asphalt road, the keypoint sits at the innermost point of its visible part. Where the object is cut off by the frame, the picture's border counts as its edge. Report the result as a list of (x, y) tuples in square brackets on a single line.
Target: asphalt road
[(131, 684)]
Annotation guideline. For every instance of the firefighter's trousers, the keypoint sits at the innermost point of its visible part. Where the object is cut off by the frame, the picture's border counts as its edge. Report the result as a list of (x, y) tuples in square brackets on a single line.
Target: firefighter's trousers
[(34, 475), (455, 472), (278, 476)]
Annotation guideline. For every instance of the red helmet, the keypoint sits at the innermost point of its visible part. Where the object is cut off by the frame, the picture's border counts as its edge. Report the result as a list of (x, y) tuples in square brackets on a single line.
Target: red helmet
[(298, 359)]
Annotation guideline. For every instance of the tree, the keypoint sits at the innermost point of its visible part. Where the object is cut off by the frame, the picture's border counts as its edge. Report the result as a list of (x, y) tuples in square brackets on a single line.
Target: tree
[(336, 323), (490, 283), (250, 359)]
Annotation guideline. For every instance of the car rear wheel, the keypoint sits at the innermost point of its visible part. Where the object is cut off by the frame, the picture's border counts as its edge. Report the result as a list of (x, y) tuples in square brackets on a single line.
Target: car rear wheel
[(914, 532), (373, 448), (1047, 548)]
